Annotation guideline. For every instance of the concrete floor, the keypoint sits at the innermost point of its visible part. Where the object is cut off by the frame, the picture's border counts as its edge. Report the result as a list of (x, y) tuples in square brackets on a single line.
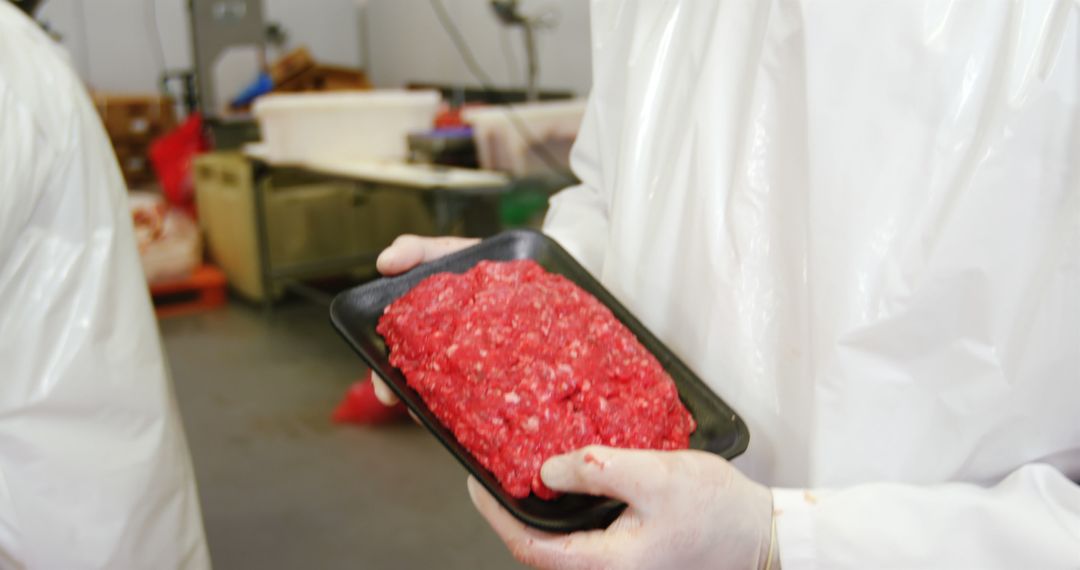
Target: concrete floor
[(282, 487)]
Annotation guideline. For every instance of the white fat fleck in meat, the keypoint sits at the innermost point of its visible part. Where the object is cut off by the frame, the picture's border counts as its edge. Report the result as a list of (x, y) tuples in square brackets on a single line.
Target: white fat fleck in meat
[(511, 397), (565, 369), (531, 424), (451, 349)]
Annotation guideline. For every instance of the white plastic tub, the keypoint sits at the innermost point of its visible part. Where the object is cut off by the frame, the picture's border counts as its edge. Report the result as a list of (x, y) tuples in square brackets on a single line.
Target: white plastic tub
[(365, 125), (501, 144)]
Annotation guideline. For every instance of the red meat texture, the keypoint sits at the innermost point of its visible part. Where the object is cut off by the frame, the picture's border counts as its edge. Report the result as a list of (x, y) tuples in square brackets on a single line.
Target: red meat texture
[(521, 365)]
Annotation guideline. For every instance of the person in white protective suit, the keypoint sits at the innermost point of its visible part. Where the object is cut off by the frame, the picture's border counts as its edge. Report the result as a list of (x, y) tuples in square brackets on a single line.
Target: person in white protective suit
[(860, 223), (94, 467)]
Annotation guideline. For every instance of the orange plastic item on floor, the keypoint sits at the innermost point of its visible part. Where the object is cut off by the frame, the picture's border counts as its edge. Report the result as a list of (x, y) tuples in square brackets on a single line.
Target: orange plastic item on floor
[(360, 406), (203, 289)]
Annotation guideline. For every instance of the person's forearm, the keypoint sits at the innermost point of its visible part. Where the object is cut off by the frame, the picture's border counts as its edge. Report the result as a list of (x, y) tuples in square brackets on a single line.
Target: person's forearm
[(578, 222), (578, 216)]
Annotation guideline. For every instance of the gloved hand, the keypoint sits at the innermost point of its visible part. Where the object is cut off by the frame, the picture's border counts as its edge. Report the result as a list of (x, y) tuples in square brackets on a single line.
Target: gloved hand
[(687, 509), (407, 252)]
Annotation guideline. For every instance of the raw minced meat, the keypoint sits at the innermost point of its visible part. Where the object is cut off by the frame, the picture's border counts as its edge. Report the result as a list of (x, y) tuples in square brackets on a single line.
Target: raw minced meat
[(521, 364)]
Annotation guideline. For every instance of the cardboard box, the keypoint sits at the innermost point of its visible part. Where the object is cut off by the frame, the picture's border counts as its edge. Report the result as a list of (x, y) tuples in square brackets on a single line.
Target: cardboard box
[(324, 78), (135, 118), (290, 64)]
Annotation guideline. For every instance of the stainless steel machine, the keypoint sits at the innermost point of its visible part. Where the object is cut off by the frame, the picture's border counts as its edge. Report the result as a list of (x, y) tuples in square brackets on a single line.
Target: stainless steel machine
[(218, 26)]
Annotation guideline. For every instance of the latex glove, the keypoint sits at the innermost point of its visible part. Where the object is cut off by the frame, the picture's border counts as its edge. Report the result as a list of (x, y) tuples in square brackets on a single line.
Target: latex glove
[(407, 252), (686, 509)]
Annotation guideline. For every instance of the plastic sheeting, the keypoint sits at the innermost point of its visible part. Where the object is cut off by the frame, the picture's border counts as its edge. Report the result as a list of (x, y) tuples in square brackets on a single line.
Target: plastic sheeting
[(860, 222), (94, 468)]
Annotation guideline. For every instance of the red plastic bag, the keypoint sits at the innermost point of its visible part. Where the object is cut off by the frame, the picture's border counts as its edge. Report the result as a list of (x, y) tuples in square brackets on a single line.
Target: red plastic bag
[(172, 154), (360, 406)]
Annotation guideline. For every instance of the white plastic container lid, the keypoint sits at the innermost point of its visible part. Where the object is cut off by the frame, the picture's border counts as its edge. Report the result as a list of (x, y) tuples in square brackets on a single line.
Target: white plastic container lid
[(333, 100)]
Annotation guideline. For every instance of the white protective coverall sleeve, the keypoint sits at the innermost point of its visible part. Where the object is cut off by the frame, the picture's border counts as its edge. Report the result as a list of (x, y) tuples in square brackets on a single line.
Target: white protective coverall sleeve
[(94, 467), (577, 216), (860, 223), (1029, 520)]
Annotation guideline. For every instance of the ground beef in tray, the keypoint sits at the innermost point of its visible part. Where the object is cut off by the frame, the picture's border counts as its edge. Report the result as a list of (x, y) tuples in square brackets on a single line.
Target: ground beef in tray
[(521, 364)]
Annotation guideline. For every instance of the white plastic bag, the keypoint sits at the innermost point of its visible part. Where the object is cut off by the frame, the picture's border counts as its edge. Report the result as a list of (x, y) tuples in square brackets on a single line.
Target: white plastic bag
[(169, 242), (94, 467), (859, 222)]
